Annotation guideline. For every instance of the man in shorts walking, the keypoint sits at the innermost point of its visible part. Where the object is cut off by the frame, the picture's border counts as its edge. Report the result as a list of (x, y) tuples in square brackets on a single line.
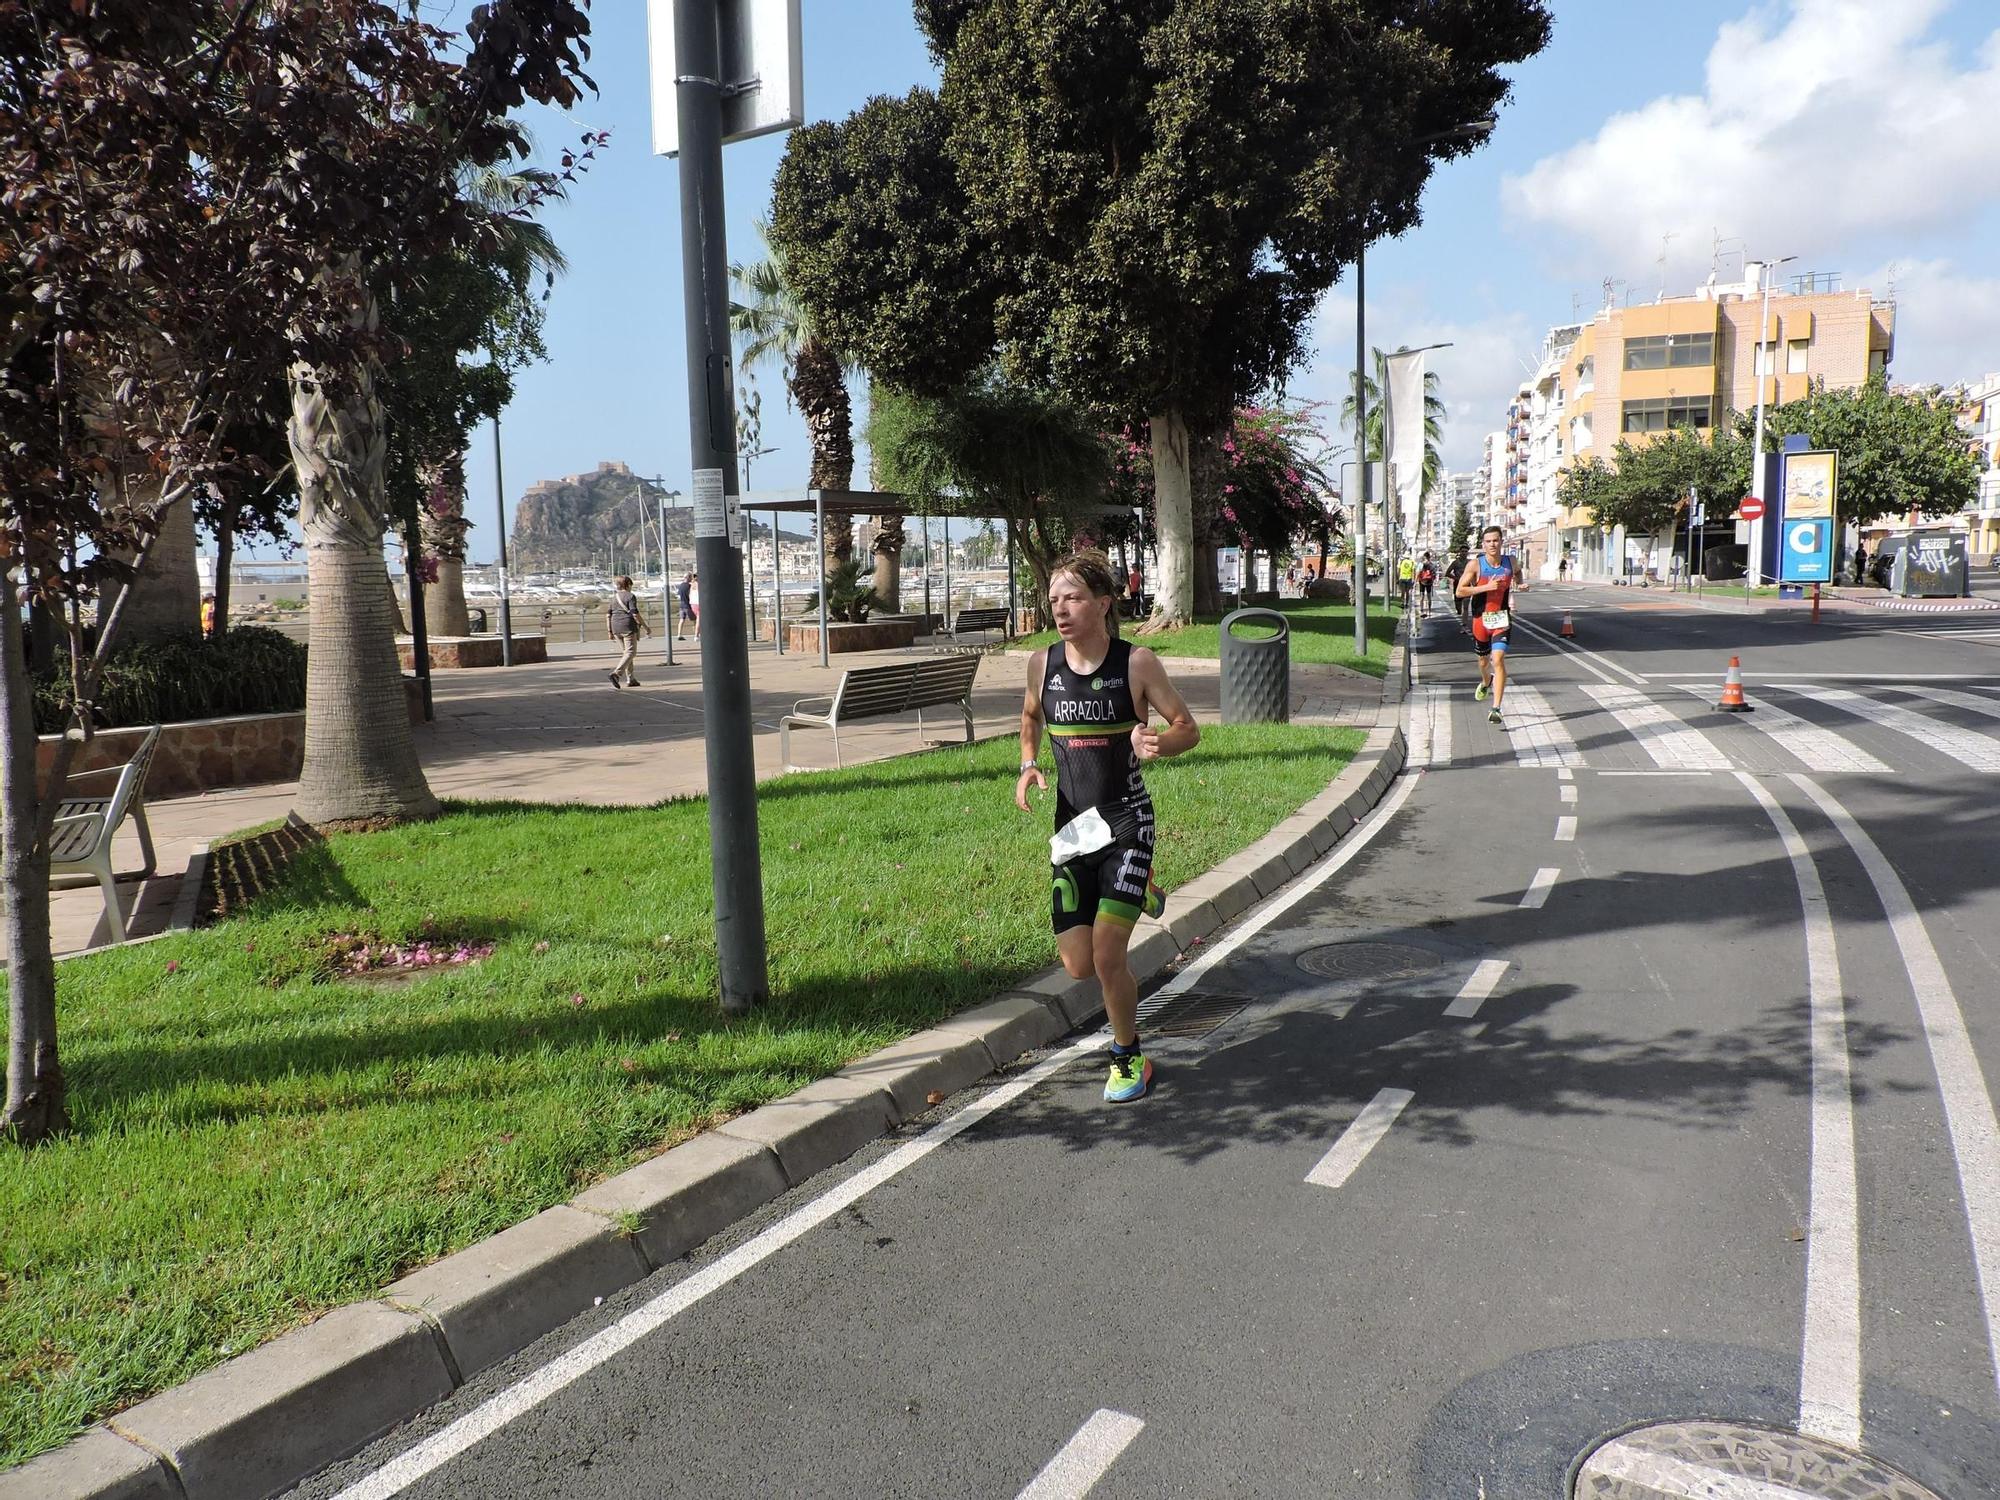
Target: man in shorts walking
[(1487, 586), (1097, 696)]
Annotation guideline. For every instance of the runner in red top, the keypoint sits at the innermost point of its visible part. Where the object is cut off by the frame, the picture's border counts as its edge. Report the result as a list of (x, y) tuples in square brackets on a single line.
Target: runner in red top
[(1489, 583)]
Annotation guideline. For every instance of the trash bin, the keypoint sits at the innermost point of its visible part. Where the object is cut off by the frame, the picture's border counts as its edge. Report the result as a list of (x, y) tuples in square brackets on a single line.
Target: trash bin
[(1256, 670), (476, 621)]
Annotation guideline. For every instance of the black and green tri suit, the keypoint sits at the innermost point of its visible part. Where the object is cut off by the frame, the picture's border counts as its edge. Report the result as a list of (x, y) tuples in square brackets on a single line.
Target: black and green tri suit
[(1090, 719)]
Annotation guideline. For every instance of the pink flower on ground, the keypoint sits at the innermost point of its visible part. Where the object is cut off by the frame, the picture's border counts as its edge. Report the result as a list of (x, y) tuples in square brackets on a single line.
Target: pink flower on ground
[(576, 999), (173, 966)]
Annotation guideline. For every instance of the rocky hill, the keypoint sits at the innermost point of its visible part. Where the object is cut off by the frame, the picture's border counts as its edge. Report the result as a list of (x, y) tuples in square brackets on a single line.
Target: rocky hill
[(577, 521)]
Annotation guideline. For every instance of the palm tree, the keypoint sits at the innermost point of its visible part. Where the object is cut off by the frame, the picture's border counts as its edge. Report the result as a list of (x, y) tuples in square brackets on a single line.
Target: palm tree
[(1434, 415), (770, 323)]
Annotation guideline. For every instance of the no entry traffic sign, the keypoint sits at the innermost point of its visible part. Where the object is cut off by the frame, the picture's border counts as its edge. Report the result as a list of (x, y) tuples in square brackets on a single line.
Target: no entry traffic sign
[(1750, 509)]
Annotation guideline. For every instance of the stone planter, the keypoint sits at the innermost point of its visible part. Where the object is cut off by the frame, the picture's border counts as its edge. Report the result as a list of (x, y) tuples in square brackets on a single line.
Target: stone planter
[(450, 652), (876, 635), (199, 755)]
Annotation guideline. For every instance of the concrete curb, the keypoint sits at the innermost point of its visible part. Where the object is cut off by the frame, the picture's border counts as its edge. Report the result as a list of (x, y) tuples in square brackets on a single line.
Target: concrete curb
[(271, 1417)]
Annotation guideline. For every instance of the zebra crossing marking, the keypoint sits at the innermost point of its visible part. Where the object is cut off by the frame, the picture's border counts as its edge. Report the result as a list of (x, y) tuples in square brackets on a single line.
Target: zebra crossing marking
[(1671, 744), (1816, 749), (1971, 702), (1962, 745), (1537, 731)]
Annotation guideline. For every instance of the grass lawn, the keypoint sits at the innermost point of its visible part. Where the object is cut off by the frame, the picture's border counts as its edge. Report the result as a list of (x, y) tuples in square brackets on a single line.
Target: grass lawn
[(1321, 633), (259, 1140)]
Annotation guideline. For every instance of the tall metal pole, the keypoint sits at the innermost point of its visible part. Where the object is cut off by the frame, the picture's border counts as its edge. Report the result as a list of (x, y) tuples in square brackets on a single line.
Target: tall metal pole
[(1013, 599), (1756, 570), (725, 655), (819, 530), (500, 512), (777, 590), (1361, 453), (670, 595)]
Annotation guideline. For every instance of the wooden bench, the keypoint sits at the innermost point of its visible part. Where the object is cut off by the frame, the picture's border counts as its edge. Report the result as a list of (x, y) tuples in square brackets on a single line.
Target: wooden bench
[(982, 620), (80, 843), (943, 681)]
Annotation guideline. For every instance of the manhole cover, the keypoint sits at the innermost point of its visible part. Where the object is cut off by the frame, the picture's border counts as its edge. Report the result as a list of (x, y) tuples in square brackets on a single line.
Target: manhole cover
[(1366, 961), (1687, 1460)]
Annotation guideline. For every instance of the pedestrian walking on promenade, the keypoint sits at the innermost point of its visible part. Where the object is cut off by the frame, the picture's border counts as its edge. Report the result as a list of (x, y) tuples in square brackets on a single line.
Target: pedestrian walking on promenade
[(1097, 696), (1426, 581), (623, 623), (690, 603), (1488, 585)]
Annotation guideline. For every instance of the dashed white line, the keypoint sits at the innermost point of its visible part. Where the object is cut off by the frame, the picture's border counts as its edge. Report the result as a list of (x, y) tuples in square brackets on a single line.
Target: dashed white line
[(1484, 980), (1671, 744), (1538, 888), (1360, 1138), (1569, 793), (1564, 773), (1968, 1106), (1830, 1364), (1085, 1458), (1566, 830)]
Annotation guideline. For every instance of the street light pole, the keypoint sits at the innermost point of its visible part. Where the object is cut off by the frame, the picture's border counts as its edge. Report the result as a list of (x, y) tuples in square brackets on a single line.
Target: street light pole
[(500, 512), (1756, 568), (1359, 575)]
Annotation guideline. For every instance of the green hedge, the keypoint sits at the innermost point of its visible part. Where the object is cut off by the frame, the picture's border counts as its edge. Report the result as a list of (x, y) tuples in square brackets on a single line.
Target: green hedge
[(250, 670)]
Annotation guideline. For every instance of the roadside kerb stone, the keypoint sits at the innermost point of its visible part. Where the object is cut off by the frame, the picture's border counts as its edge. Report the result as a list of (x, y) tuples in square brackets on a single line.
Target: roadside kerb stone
[(256, 1425), (1191, 921), (1075, 1000), (100, 1464), (497, 1297), (823, 1123), (1270, 871), (1153, 948), (1009, 1026), (685, 1196), (918, 1066)]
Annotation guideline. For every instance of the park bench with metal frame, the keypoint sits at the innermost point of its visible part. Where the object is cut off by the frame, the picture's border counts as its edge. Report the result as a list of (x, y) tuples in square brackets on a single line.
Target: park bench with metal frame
[(983, 621), (918, 683), (80, 844)]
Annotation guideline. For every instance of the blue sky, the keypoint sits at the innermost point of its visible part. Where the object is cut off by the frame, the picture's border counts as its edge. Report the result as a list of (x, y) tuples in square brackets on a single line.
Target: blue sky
[(1855, 135)]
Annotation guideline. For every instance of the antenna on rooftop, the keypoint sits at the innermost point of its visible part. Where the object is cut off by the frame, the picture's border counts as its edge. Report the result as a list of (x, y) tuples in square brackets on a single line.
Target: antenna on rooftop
[(1665, 240)]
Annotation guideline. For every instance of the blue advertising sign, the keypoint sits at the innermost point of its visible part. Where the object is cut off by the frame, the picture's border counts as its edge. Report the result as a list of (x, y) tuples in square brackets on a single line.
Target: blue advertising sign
[(1807, 553)]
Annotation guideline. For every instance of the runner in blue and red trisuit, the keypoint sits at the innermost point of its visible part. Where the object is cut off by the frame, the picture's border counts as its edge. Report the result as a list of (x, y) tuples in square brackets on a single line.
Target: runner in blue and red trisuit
[(1488, 585)]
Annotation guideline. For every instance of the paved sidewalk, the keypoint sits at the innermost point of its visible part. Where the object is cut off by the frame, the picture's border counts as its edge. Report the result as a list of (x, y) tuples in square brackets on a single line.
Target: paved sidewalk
[(558, 732)]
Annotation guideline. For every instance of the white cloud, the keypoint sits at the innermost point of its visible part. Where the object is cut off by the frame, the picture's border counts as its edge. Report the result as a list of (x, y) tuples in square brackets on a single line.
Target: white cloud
[(1947, 322), (1820, 122)]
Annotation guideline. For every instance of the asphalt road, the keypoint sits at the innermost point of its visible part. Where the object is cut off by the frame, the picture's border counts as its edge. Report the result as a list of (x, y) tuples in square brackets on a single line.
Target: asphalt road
[(1632, 1065)]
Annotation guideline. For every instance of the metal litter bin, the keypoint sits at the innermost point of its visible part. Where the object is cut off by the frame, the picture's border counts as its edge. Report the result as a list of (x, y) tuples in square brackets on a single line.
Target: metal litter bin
[(1256, 670)]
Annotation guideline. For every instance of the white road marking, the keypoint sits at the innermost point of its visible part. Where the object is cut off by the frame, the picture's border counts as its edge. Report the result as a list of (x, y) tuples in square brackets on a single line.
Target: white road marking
[(1875, 677), (1430, 726), (1564, 773), (1537, 731), (1968, 1105), (1359, 1139), (1085, 1458), (1830, 1364), (1963, 745), (1566, 830), (1971, 702), (1569, 792), (1664, 1474), (1655, 773), (1589, 656), (1672, 744), (1538, 888), (1282, 902), (1817, 749), (490, 1415), (1484, 980)]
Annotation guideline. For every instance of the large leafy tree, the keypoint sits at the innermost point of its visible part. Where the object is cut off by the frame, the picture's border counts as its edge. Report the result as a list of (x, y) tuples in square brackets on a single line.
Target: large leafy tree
[(1644, 485), (1900, 451), (195, 194), (1150, 197), (1023, 451)]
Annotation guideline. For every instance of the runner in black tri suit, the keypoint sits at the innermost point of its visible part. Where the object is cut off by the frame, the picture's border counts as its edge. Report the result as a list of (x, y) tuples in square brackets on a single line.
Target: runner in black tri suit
[(1097, 696)]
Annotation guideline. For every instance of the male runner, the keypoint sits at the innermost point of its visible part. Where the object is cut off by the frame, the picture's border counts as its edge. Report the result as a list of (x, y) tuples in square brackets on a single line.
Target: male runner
[(1488, 585), (1426, 579), (1098, 695)]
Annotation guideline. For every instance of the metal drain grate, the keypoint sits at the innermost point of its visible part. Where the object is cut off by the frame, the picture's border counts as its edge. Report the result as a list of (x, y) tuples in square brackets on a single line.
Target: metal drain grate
[(1685, 1460), (1367, 961), (1193, 1014)]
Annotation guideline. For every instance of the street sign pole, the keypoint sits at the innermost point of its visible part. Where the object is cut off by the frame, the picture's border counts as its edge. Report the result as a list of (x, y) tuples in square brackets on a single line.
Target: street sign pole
[(725, 654), (1359, 588)]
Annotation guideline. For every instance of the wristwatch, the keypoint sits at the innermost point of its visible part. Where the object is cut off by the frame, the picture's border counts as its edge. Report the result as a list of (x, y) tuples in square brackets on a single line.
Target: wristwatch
[(1029, 765)]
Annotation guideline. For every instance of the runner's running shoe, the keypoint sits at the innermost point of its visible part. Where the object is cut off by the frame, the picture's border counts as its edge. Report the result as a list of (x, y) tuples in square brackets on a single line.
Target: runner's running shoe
[(1479, 692), (1494, 717), (1131, 1076)]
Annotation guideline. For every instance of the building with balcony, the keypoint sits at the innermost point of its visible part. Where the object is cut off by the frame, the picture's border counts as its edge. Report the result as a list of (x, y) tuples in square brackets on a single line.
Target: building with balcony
[(1980, 416)]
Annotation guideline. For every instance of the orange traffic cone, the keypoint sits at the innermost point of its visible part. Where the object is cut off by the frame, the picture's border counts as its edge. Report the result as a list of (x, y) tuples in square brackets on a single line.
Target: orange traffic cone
[(1732, 690), (1568, 629)]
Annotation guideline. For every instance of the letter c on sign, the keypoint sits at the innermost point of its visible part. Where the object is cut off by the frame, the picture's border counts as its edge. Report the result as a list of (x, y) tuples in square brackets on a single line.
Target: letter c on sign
[(1805, 537)]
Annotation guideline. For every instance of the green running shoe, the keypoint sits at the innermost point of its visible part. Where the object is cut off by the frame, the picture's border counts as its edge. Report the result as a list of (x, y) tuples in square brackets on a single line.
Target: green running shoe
[(1479, 693), (1131, 1076), (1156, 900), (1494, 717)]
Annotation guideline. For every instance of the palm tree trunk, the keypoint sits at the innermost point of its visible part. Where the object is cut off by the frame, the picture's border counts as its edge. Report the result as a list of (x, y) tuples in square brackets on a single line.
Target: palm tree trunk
[(36, 1093), (888, 580), (819, 388), (360, 758), (1173, 523), (442, 513)]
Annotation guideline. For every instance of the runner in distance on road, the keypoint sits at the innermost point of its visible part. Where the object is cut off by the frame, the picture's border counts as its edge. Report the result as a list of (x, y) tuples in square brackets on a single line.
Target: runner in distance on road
[(1097, 696)]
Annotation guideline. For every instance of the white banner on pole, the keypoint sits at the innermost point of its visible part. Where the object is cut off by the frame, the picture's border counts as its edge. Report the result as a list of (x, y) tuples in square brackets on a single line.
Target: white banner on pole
[(1403, 436)]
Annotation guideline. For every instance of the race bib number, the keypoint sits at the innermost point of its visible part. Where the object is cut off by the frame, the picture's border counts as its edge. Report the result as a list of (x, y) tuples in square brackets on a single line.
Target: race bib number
[(1495, 621), (1086, 833)]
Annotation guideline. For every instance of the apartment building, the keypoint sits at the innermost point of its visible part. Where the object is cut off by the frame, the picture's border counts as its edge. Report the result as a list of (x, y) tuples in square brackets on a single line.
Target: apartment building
[(1980, 417), (1636, 372)]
